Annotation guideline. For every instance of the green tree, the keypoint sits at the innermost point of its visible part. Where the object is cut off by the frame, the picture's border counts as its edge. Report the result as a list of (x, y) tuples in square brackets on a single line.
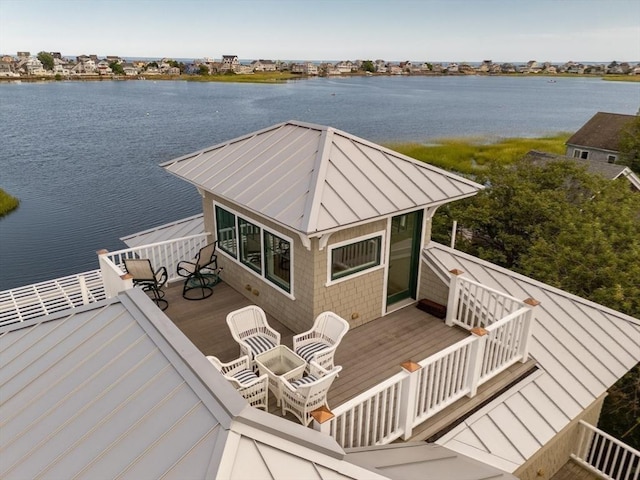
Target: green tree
[(203, 70), (630, 145), (559, 224), (116, 68), (46, 59), (368, 66)]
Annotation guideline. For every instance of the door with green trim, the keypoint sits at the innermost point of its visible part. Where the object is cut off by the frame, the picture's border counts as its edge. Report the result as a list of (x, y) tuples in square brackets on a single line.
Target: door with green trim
[(404, 255)]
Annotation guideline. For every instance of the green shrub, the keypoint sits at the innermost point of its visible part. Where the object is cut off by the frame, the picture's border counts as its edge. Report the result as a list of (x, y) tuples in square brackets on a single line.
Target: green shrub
[(7, 203)]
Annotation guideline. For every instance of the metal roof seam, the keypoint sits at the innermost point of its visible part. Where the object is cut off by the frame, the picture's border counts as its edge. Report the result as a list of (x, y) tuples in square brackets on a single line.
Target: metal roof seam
[(313, 201)]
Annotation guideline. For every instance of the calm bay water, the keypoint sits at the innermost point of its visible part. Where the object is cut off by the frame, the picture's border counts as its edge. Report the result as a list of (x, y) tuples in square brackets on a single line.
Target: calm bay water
[(83, 156)]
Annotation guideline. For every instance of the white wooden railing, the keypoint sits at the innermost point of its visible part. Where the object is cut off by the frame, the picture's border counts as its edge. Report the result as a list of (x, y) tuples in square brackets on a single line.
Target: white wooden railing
[(392, 409), (166, 254), (44, 298), (472, 304), (605, 455)]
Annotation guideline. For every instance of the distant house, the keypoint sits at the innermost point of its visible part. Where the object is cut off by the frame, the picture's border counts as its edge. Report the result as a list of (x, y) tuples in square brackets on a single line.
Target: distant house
[(599, 138), (606, 170), (263, 66), (229, 62)]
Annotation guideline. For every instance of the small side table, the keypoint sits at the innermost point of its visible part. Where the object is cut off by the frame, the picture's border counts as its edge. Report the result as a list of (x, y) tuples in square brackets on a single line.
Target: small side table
[(280, 362)]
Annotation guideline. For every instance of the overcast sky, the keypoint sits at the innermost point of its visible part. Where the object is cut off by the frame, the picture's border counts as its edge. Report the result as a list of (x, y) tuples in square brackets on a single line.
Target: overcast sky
[(418, 30)]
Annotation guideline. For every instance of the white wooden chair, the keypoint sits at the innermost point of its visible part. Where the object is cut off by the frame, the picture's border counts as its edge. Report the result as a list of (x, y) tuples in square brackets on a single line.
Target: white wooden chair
[(303, 396), (320, 343), (250, 329), (254, 388)]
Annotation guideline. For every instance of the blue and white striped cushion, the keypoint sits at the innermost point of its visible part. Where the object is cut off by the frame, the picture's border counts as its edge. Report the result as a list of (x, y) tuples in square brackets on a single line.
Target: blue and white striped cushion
[(259, 344), (303, 381), (308, 351), (244, 376)]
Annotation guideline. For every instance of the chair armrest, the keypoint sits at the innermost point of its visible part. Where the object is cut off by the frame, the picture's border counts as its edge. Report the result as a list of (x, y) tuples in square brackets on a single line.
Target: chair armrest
[(162, 271), (303, 338), (185, 268)]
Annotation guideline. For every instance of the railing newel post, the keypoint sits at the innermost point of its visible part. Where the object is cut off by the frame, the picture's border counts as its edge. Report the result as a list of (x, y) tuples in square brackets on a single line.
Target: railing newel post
[(530, 303), (408, 394), (475, 359), (452, 301)]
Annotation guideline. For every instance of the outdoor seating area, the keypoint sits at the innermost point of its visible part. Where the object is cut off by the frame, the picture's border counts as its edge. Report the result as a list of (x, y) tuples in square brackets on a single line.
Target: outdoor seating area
[(282, 368), (408, 334)]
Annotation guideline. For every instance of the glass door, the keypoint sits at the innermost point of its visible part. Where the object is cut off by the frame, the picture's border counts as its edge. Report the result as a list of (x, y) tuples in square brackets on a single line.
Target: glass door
[(404, 255)]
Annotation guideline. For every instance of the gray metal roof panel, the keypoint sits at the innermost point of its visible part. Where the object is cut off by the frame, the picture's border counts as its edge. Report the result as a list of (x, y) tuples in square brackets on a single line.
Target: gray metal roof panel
[(424, 461), (312, 178), (181, 228), (91, 393)]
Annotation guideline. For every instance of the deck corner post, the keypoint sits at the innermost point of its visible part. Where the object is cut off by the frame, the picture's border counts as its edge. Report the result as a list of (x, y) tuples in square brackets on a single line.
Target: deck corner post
[(476, 357), (321, 420), (530, 303), (452, 301), (408, 394)]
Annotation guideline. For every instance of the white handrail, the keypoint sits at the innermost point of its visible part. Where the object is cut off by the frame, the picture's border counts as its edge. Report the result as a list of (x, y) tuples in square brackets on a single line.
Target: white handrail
[(599, 452), (32, 301), (166, 253)]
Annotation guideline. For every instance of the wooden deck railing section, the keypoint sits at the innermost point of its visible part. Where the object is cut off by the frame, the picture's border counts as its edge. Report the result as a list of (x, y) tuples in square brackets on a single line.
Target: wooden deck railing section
[(167, 254), (392, 409), (605, 455)]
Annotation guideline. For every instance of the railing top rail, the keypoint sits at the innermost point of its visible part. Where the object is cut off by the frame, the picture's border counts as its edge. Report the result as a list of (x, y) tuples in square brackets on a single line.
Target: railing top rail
[(157, 244), (366, 395), (463, 279), (609, 437), (443, 353), (506, 319)]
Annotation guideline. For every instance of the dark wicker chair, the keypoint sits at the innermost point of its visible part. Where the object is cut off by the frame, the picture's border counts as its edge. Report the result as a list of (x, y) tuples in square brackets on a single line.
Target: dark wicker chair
[(201, 274), (151, 281)]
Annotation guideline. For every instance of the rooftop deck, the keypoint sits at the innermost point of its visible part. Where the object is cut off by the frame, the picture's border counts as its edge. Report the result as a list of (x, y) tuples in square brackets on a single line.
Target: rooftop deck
[(368, 354)]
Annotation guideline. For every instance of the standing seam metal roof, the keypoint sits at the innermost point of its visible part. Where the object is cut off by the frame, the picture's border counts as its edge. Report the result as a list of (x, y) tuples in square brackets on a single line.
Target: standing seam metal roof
[(313, 179), (581, 347), (115, 390)]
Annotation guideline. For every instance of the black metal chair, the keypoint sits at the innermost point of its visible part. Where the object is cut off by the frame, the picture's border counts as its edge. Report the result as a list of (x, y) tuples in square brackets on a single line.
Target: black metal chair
[(150, 281), (201, 274)]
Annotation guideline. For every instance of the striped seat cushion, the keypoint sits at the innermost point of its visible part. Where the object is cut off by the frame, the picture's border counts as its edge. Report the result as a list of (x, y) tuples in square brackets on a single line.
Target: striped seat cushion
[(308, 351), (244, 376), (303, 381), (259, 344)]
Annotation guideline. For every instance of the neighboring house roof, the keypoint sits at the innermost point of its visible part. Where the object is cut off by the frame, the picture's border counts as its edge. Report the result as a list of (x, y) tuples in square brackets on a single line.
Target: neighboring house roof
[(315, 179), (582, 349), (115, 390), (602, 131), (610, 171)]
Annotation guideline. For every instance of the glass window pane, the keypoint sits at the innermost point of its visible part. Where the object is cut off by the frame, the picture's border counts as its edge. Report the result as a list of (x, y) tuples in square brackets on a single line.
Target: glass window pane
[(250, 246), (277, 261), (226, 230), (355, 257)]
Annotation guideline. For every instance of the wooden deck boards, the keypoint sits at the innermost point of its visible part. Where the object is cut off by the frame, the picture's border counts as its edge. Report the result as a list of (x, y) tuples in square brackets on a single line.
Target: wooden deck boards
[(369, 354), (573, 471)]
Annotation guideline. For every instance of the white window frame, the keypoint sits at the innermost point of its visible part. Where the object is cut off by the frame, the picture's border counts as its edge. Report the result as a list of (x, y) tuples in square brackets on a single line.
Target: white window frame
[(383, 237), (262, 275)]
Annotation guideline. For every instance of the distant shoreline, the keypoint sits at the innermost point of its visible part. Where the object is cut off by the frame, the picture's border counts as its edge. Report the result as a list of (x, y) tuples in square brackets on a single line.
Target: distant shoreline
[(285, 77)]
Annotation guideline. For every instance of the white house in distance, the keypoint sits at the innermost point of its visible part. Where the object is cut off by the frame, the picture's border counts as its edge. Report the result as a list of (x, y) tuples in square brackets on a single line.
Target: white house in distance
[(96, 381)]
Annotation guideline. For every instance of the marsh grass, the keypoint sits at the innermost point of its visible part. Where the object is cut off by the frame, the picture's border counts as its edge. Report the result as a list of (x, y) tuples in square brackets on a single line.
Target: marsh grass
[(259, 77), (7, 203), (470, 155)]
